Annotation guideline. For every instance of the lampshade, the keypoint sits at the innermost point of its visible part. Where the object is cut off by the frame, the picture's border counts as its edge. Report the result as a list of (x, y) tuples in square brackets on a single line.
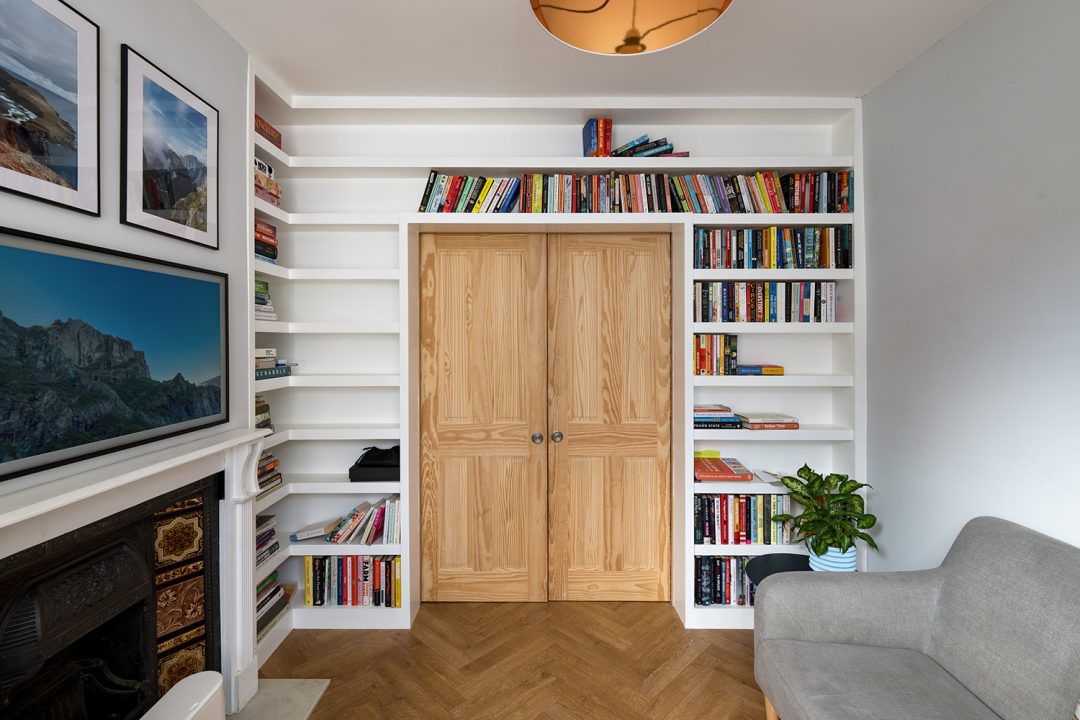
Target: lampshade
[(626, 27)]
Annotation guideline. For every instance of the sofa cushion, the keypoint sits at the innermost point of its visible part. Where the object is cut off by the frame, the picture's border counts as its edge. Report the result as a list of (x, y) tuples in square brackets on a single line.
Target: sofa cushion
[(831, 681), (1008, 622)]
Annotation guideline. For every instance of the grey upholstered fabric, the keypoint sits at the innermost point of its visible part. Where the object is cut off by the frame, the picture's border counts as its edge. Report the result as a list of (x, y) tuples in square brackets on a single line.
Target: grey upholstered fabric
[(1001, 617), (830, 681), (1009, 622), (892, 610)]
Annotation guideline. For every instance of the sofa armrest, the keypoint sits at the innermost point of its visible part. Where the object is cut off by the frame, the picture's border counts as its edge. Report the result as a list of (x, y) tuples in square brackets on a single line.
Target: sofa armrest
[(892, 610)]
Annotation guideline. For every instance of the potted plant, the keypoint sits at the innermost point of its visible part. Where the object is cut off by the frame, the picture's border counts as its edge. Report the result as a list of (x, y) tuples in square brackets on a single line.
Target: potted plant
[(832, 519)]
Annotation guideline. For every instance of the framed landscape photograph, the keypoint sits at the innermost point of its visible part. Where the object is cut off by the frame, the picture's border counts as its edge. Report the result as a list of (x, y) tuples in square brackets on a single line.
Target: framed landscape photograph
[(49, 104), (101, 351), (168, 154)]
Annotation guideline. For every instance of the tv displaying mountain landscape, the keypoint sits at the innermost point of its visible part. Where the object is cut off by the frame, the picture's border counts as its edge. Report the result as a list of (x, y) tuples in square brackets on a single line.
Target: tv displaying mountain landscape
[(101, 351)]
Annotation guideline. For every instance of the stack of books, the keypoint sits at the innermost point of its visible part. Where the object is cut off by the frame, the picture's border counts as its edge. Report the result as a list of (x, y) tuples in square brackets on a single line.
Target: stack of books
[(469, 194), (716, 354), (765, 301), (352, 580), (262, 414), (266, 544), (722, 581), (270, 477), (266, 187), (268, 131), (740, 520), (772, 248), (266, 242), (768, 421), (710, 467), (715, 417), (264, 306), (642, 146), (271, 602), (596, 137), (269, 366)]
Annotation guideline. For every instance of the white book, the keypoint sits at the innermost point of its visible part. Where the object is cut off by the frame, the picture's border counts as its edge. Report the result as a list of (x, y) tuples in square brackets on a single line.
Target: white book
[(265, 352), (781, 302)]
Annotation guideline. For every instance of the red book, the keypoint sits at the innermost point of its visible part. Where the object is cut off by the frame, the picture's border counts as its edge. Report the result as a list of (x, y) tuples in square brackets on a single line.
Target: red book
[(708, 469), (771, 426), (452, 193)]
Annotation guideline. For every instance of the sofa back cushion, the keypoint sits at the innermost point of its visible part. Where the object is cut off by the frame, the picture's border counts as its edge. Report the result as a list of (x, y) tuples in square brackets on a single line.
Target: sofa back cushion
[(1008, 624)]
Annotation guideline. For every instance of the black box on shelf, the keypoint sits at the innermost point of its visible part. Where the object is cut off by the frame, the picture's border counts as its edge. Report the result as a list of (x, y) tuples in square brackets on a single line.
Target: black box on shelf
[(377, 465)]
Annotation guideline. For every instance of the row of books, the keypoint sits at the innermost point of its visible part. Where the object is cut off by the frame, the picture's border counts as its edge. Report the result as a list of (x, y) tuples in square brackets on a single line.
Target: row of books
[(722, 581), (266, 242), (763, 192), (269, 473), (765, 301), (264, 305), (268, 365), (267, 188), (352, 581), (772, 248), (741, 520), (272, 599), (266, 543), (714, 416), (366, 524)]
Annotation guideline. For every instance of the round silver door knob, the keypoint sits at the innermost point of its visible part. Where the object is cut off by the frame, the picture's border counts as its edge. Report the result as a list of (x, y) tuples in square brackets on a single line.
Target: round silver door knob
[(556, 437), (537, 438)]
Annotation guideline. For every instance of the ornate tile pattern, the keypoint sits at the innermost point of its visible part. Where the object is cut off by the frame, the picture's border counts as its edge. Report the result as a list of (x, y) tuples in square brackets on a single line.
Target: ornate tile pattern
[(180, 606), (177, 666), (188, 504), (173, 574), (171, 644), (178, 538)]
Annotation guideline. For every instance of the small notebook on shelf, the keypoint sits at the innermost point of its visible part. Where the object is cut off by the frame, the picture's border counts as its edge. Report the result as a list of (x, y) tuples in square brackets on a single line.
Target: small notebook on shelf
[(768, 421)]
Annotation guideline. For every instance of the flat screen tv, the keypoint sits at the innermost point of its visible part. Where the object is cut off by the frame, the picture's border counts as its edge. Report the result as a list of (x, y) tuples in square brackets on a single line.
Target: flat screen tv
[(101, 351)]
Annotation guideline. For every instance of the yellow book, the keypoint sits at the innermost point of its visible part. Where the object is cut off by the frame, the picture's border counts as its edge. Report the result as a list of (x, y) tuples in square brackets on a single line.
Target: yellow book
[(397, 581), (760, 519), (482, 195), (308, 599), (759, 181), (773, 248), (538, 193)]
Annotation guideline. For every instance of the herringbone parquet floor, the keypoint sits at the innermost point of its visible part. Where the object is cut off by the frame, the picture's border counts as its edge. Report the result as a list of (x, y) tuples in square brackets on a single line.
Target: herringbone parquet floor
[(548, 661)]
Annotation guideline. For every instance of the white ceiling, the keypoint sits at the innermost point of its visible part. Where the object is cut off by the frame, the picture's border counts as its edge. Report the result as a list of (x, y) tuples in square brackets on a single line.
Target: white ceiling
[(828, 48)]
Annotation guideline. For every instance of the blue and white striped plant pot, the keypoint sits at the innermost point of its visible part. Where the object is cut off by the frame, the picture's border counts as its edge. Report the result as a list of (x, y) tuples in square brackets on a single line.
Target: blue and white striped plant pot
[(833, 560)]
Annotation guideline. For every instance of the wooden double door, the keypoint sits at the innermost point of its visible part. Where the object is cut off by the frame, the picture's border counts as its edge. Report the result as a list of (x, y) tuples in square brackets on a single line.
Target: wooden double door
[(545, 413)]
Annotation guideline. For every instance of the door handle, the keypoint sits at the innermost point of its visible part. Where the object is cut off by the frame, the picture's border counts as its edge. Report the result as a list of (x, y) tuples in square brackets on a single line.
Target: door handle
[(537, 438), (556, 437)]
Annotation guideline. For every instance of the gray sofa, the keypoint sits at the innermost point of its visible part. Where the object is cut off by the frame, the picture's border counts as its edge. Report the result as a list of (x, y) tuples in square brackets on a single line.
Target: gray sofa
[(994, 632)]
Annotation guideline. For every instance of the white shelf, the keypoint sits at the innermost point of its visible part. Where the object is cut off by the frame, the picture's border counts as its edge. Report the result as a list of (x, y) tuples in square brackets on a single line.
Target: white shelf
[(778, 274), (351, 617), (373, 431), (731, 487), (326, 274), (720, 617), (833, 328), (272, 563), (805, 433), (282, 217), (321, 547), (768, 219), (274, 637), (748, 550), (270, 152), (323, 484), (331, 381), (617, 219), (271, 211), (330, 328), (774, 381)]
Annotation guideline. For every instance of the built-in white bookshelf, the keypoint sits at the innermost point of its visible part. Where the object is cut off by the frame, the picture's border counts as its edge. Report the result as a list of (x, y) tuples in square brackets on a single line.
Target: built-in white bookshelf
[(353, 171)]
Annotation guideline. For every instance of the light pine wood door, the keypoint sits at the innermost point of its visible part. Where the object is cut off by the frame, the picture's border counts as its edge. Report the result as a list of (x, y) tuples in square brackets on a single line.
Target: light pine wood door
[(483, 388), (609, 384)]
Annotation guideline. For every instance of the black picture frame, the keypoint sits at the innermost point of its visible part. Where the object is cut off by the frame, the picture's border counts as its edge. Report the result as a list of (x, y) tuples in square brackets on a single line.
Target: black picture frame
[(87, 198), (133, 184), (73, 454)]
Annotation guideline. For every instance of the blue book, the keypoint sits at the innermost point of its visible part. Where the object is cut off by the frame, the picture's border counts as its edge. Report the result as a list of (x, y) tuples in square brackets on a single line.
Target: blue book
[(511, 195), (624, 149), (590, 138), (666, 148)]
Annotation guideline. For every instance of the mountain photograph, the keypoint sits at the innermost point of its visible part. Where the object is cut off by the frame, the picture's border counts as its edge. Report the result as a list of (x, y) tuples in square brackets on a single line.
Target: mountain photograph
[(175, 149), (38, 94), (85, 356)]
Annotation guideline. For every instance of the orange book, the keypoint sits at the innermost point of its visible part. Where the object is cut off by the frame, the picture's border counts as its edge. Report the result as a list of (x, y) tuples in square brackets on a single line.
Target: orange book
[(712, 469)]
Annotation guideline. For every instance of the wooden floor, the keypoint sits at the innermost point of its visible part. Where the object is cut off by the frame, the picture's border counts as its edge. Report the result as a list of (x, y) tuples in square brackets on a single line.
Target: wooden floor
[(556, 661)]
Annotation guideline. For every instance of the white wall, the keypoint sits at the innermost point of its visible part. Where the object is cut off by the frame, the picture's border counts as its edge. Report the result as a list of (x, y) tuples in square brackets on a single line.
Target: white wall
[(972, 153), (181, 39)]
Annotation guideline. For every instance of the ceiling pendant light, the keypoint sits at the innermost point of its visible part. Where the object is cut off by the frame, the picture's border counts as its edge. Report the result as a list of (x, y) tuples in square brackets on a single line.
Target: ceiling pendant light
[(593, 27)]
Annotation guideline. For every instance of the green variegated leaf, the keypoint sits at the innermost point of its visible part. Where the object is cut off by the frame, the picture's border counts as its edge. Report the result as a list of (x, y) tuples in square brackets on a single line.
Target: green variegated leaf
[(867, 521)]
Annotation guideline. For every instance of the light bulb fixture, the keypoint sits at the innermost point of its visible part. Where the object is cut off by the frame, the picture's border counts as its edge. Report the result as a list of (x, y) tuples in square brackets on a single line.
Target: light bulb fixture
[(593, 27)]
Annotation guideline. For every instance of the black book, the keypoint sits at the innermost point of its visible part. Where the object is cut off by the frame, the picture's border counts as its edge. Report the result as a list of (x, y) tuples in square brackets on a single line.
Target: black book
[(474, 193), (706, 580), (271, 614), (265, 250), (637, 151), (427, 190)]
